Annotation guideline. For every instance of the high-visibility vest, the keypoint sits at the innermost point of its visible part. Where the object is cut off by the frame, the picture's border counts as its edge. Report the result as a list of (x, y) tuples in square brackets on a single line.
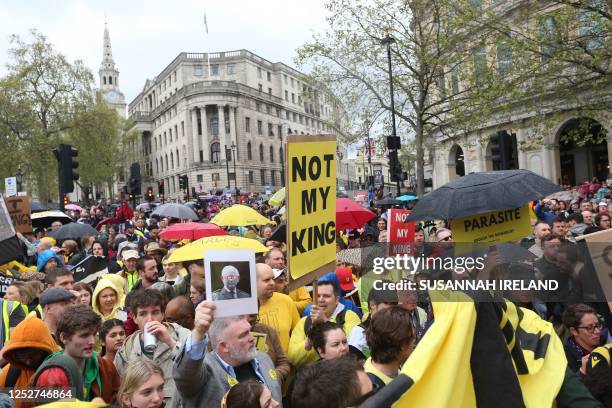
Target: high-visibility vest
[(37, 311), (132, 278), (8, 307)]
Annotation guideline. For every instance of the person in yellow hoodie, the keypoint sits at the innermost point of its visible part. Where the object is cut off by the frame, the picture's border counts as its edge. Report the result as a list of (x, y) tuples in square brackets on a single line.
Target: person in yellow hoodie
[(108, 298), (30, 344)]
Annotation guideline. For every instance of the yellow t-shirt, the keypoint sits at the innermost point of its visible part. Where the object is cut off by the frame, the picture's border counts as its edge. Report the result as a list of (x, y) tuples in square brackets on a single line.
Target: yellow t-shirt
[(280, 313), (301, 298)]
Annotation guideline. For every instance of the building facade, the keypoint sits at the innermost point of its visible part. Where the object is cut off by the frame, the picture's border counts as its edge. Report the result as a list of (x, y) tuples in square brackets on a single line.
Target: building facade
[(222, 119), (524, 138)]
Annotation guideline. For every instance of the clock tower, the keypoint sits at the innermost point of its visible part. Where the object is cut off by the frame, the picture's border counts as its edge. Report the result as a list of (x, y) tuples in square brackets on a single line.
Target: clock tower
[(109, 78)]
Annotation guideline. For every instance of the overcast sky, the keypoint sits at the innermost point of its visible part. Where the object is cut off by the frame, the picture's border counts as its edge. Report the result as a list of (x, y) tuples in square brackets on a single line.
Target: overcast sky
[(147, 35)]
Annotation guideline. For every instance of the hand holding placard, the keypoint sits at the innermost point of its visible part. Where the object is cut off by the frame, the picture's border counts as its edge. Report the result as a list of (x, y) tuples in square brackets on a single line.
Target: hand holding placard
[(203, 319)]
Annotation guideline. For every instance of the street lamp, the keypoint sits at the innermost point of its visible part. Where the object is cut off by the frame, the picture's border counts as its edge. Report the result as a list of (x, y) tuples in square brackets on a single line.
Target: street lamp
[(228, 158), (19, 178), (235, 174), (393, 156)]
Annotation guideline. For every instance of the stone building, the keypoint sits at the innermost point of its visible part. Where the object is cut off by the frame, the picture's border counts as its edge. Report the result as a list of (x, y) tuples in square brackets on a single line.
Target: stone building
[(109, 78), (522, 139), (221, 119)]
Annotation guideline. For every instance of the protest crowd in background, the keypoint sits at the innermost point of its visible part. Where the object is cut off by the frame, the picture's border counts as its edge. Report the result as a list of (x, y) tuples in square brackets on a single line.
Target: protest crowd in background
[(109, 316)]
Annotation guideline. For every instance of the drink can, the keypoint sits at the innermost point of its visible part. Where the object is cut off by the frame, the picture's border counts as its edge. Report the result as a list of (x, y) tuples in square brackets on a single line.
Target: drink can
[(149, 341)]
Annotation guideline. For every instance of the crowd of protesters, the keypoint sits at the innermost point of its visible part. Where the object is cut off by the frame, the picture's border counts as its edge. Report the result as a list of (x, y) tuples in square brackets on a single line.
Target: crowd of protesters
[(143, 335)]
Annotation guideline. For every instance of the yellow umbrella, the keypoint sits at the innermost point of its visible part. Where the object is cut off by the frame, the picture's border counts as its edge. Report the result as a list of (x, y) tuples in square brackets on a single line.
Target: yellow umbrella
[(239, 216), (196, 249), (277, 199), (74, 403)]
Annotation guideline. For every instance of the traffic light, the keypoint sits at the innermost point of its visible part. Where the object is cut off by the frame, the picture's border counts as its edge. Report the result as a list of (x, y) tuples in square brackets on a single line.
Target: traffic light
[(394, 143), (183, 182), (135, 181), (503, 146), (65, 200), (65, 155), (395, 167), (150, 195)]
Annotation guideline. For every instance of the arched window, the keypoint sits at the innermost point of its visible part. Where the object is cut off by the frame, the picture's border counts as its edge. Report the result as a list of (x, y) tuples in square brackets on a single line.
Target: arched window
[(271, 154), (178, 161), (280, 154), (167, 168), (171, 160), (261, 155), (215, 152), (110, 80), (249, 152), (104, 80), (156, 166)]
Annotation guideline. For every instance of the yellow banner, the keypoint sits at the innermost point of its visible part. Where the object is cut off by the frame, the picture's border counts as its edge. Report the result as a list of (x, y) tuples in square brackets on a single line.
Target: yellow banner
[(493, 227), (311, 203)]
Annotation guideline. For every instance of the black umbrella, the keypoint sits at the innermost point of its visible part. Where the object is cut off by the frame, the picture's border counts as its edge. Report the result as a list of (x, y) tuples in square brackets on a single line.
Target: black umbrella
[(478, 193), (388, 202), (176, 211), (73, 231), (280, 233)]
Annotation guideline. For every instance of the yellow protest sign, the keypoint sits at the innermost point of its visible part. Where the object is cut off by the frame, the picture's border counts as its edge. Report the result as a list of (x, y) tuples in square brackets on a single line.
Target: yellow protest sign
[(311, 206), (492, 227)]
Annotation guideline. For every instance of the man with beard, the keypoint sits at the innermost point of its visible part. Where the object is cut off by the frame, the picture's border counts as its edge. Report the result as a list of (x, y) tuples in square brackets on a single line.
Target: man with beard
[(202, 377), (230, 277)]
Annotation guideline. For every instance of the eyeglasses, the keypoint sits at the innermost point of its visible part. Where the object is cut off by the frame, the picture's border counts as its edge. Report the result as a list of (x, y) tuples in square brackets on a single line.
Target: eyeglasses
[(591, 328), (447, 238)]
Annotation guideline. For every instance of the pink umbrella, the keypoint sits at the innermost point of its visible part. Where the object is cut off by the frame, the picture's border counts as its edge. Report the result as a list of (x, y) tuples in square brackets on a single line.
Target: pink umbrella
[(350, 215), (74, 207), (192, 231)]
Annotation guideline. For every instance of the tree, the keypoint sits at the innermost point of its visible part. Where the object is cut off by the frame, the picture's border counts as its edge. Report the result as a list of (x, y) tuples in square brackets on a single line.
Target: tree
[(39, 98), (438, 76)]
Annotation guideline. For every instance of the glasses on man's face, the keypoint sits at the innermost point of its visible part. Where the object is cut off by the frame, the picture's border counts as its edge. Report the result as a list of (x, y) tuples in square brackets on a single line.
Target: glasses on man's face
[(447, 238), (591, 328)]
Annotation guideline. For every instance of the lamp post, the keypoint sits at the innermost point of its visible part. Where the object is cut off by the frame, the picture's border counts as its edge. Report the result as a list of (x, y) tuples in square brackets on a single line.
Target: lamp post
[(235, 174), (228, 158), (393, 155), (19, 178)]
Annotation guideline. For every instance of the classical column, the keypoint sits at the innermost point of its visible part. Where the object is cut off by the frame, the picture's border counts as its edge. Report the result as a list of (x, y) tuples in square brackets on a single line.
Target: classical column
[(194, 136), (205, 140), (522, 157), (232, 123), (546, 169), (222, 137)]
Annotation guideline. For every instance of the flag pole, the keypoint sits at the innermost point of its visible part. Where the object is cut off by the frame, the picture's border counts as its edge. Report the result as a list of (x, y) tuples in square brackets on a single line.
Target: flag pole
[(208, 53)]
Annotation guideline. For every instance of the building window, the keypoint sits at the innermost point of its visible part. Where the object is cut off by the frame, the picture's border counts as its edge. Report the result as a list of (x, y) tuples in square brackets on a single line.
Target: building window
[(262, 176), (549, 36), (178, 161), (480, 64), (231, 69), (104, 80), (249, 152), (214, 69), (271, 154), (259, 127), (504, 58), (268, 109), (270, 91), (285, 75), (197, 70), (110, 80), (214, 126), (270, 129), (261, 153), (454, 79), (182, 128), (215, 177), (174, 76), (170, 133), (251, 177), (299, 100), (215, 152), (257, 106), (258, 72), (269, 76), (292, 83), (280, 131), (200, 178), (272, 177), (278, 112), (247, 125), (292, 97), (260, 87), (287, 95)]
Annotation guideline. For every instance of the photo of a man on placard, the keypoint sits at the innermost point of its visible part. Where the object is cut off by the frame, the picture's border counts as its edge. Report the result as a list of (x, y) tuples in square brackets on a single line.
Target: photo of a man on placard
[(231, 278)]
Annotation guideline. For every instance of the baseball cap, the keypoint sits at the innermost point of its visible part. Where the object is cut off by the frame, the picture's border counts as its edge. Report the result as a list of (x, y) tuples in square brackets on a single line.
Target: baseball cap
[(277, 272), (603, 204), (130, 254), (54, 295), (345, 277)]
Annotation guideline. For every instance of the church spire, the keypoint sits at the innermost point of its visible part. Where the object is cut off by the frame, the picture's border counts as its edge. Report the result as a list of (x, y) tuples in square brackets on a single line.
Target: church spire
[(107, 57)]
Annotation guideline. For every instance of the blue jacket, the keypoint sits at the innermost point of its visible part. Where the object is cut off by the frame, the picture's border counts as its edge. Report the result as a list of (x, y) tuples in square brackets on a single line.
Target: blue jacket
[(546, 216), (44, 257)]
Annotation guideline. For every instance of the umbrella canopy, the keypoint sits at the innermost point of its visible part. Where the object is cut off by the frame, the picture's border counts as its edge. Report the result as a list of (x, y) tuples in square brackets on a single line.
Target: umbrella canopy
[(143, 207), (35, 206), (176, 211), (196, 249), (239, 215), (407, 197), (350, 215), (477, 193), (45, 218), (277, 198), (74, 207), (361, 256), (388, 202), (192, 231), (567, 195), (73, 231)]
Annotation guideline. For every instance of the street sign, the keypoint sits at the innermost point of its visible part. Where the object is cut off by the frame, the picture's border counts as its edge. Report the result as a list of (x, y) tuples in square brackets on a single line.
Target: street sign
[(228, 193), (379, 180), (10, 186), (268, 189)]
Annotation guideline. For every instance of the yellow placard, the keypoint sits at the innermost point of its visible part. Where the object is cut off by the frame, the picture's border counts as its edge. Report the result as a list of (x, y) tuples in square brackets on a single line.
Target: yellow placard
[(311, 203), (493, 227)]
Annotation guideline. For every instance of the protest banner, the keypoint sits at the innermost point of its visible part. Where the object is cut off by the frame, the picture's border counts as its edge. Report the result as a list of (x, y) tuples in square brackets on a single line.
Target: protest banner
[(400, 234), (10, 246), (599, 261), (492, 227), (311, 207), (5, 282), (19, 210)]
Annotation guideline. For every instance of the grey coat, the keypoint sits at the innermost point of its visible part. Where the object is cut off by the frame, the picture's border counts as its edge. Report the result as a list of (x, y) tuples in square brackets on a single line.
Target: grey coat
[(203, 383)]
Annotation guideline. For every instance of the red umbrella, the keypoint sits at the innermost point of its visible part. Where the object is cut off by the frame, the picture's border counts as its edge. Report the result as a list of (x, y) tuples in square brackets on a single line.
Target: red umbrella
[(350, 215), (192, 230)]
